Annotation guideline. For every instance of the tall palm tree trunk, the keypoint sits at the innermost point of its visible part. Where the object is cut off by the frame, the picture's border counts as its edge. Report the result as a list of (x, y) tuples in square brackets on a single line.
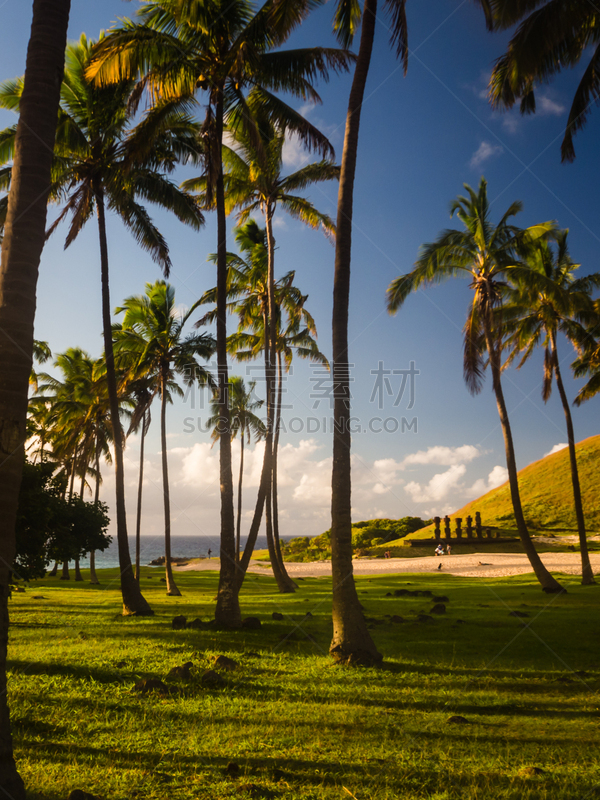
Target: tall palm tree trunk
[(133, 601), (78, 575), (93, 576), (265, 477), (548, 583), (275, 498), (587, 575), (138, 518), (171, 587), (239, 498), (351, 638), (227, 611)]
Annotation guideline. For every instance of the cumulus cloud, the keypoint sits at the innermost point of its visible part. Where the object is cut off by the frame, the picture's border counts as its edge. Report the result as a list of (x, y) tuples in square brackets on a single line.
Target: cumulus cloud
[(443, 456), (439, 487), (556, 449), (497, 477), (545, 105), (484, 152)]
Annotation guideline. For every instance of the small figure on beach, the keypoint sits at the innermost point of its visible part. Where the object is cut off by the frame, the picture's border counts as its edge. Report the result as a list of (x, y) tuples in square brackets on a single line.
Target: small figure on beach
[(388, 554), (439, 550), (209, 552), (440, 565), (449, 549)]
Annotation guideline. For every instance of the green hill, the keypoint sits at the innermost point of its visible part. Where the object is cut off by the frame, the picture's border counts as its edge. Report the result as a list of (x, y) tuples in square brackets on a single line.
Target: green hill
[(546, 494)]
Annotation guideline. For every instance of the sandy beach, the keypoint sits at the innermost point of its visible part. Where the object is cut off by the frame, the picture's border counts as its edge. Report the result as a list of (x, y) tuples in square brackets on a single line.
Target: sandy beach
[(475, 565)]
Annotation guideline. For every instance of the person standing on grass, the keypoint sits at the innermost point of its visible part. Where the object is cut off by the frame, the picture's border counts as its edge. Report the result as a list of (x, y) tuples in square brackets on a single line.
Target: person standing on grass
[(449, 549)]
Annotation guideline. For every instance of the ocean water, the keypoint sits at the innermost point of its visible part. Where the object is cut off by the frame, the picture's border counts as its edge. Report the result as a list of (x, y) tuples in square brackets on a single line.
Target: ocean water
[(154, 546)]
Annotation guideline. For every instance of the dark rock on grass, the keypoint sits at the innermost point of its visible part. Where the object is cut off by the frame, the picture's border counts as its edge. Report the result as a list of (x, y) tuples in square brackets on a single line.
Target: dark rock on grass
[(402, 592), (79, 794), (232, 768), (212, 679), (276, 615), (397, 619), (530, 772), (518, 614), (441, 598), (181, 672), (179, 623), (252, 654), (564, 679), (373, 621), (196, 623), (388, 594), (308, 615), (251, 623), (425, 619), (163, 580), (38, 597), (223, 662), (439, 608), (456, 719), (459, 622), (147, 685), (425, 593)]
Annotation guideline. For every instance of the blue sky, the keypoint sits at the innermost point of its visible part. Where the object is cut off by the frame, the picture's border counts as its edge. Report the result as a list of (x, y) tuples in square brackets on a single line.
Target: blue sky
[(421, 138)]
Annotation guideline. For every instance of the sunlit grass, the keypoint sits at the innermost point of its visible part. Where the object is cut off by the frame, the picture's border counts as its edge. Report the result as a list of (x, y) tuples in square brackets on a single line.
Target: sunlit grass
[(296, 726)]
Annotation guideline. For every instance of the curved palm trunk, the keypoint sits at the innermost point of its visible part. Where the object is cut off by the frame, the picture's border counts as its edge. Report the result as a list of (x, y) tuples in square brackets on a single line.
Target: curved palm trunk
[(78, 576), (138, 518), (239, 499), (284, 582), (171, 586), (227, 610), (133, 601), (547, 582), (265, 477), (93, 576), (275, 498), (351, 638), (54, 570), (587, 575)]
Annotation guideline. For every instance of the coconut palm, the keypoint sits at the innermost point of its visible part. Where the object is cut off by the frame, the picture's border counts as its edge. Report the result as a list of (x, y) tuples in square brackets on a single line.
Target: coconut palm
[(103, 162), (220, 49), (244, 421), (553, 35), (152, 336), (21, 250), (587, 364), (351, 639), (536, 311), (488, 255)]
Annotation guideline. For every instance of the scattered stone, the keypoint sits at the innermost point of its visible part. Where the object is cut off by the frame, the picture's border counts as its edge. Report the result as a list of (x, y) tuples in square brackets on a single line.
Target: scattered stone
[(223, 662), (181, 672), (441, 599), (518, 614), (397, 619), (456, 719), (530, 772), (564, 679), (196, 623), (402, 592), (151, 685), (460, 622), (425, 619), (277, 615), (179, 623), (388, 594), (251, 623), (232, 768), (38, 597), (212, 678), (163, 580), (439, 608), (82, 635), (79, 794), (308, 615), (426, 593)]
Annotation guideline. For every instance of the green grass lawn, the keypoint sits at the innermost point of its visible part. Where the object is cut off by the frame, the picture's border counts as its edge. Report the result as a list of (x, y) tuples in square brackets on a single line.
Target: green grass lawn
[(293, 724)]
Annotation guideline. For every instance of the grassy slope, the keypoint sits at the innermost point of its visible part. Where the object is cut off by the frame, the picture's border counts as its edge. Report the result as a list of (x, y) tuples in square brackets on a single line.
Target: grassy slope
[(546, 494), (297, 727)]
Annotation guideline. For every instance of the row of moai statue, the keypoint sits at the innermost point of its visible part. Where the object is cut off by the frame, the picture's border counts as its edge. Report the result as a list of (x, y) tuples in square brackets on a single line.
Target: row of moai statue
[(469, 532)]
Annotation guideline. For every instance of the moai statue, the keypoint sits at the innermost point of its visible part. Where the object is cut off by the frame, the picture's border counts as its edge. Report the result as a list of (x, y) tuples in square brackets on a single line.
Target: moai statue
[(459, 532), (447, 532), (469, 527), (436, 522), (478, 528)]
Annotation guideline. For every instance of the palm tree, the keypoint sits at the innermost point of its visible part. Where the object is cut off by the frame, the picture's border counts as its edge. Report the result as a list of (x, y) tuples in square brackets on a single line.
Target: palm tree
[(244, 421), (221, 48), (21, 251), (553, 35), (587, 364), (102, 161), (152, 336), (351, 641), (536, 311), (488, 255)]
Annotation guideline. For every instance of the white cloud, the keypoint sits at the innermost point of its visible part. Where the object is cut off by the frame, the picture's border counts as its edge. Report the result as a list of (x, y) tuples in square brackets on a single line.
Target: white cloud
[(546, 106), (439, 487), (484, 152), (511, 122), (443, 456), (556, 449), (294, 153), (497, 477)]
